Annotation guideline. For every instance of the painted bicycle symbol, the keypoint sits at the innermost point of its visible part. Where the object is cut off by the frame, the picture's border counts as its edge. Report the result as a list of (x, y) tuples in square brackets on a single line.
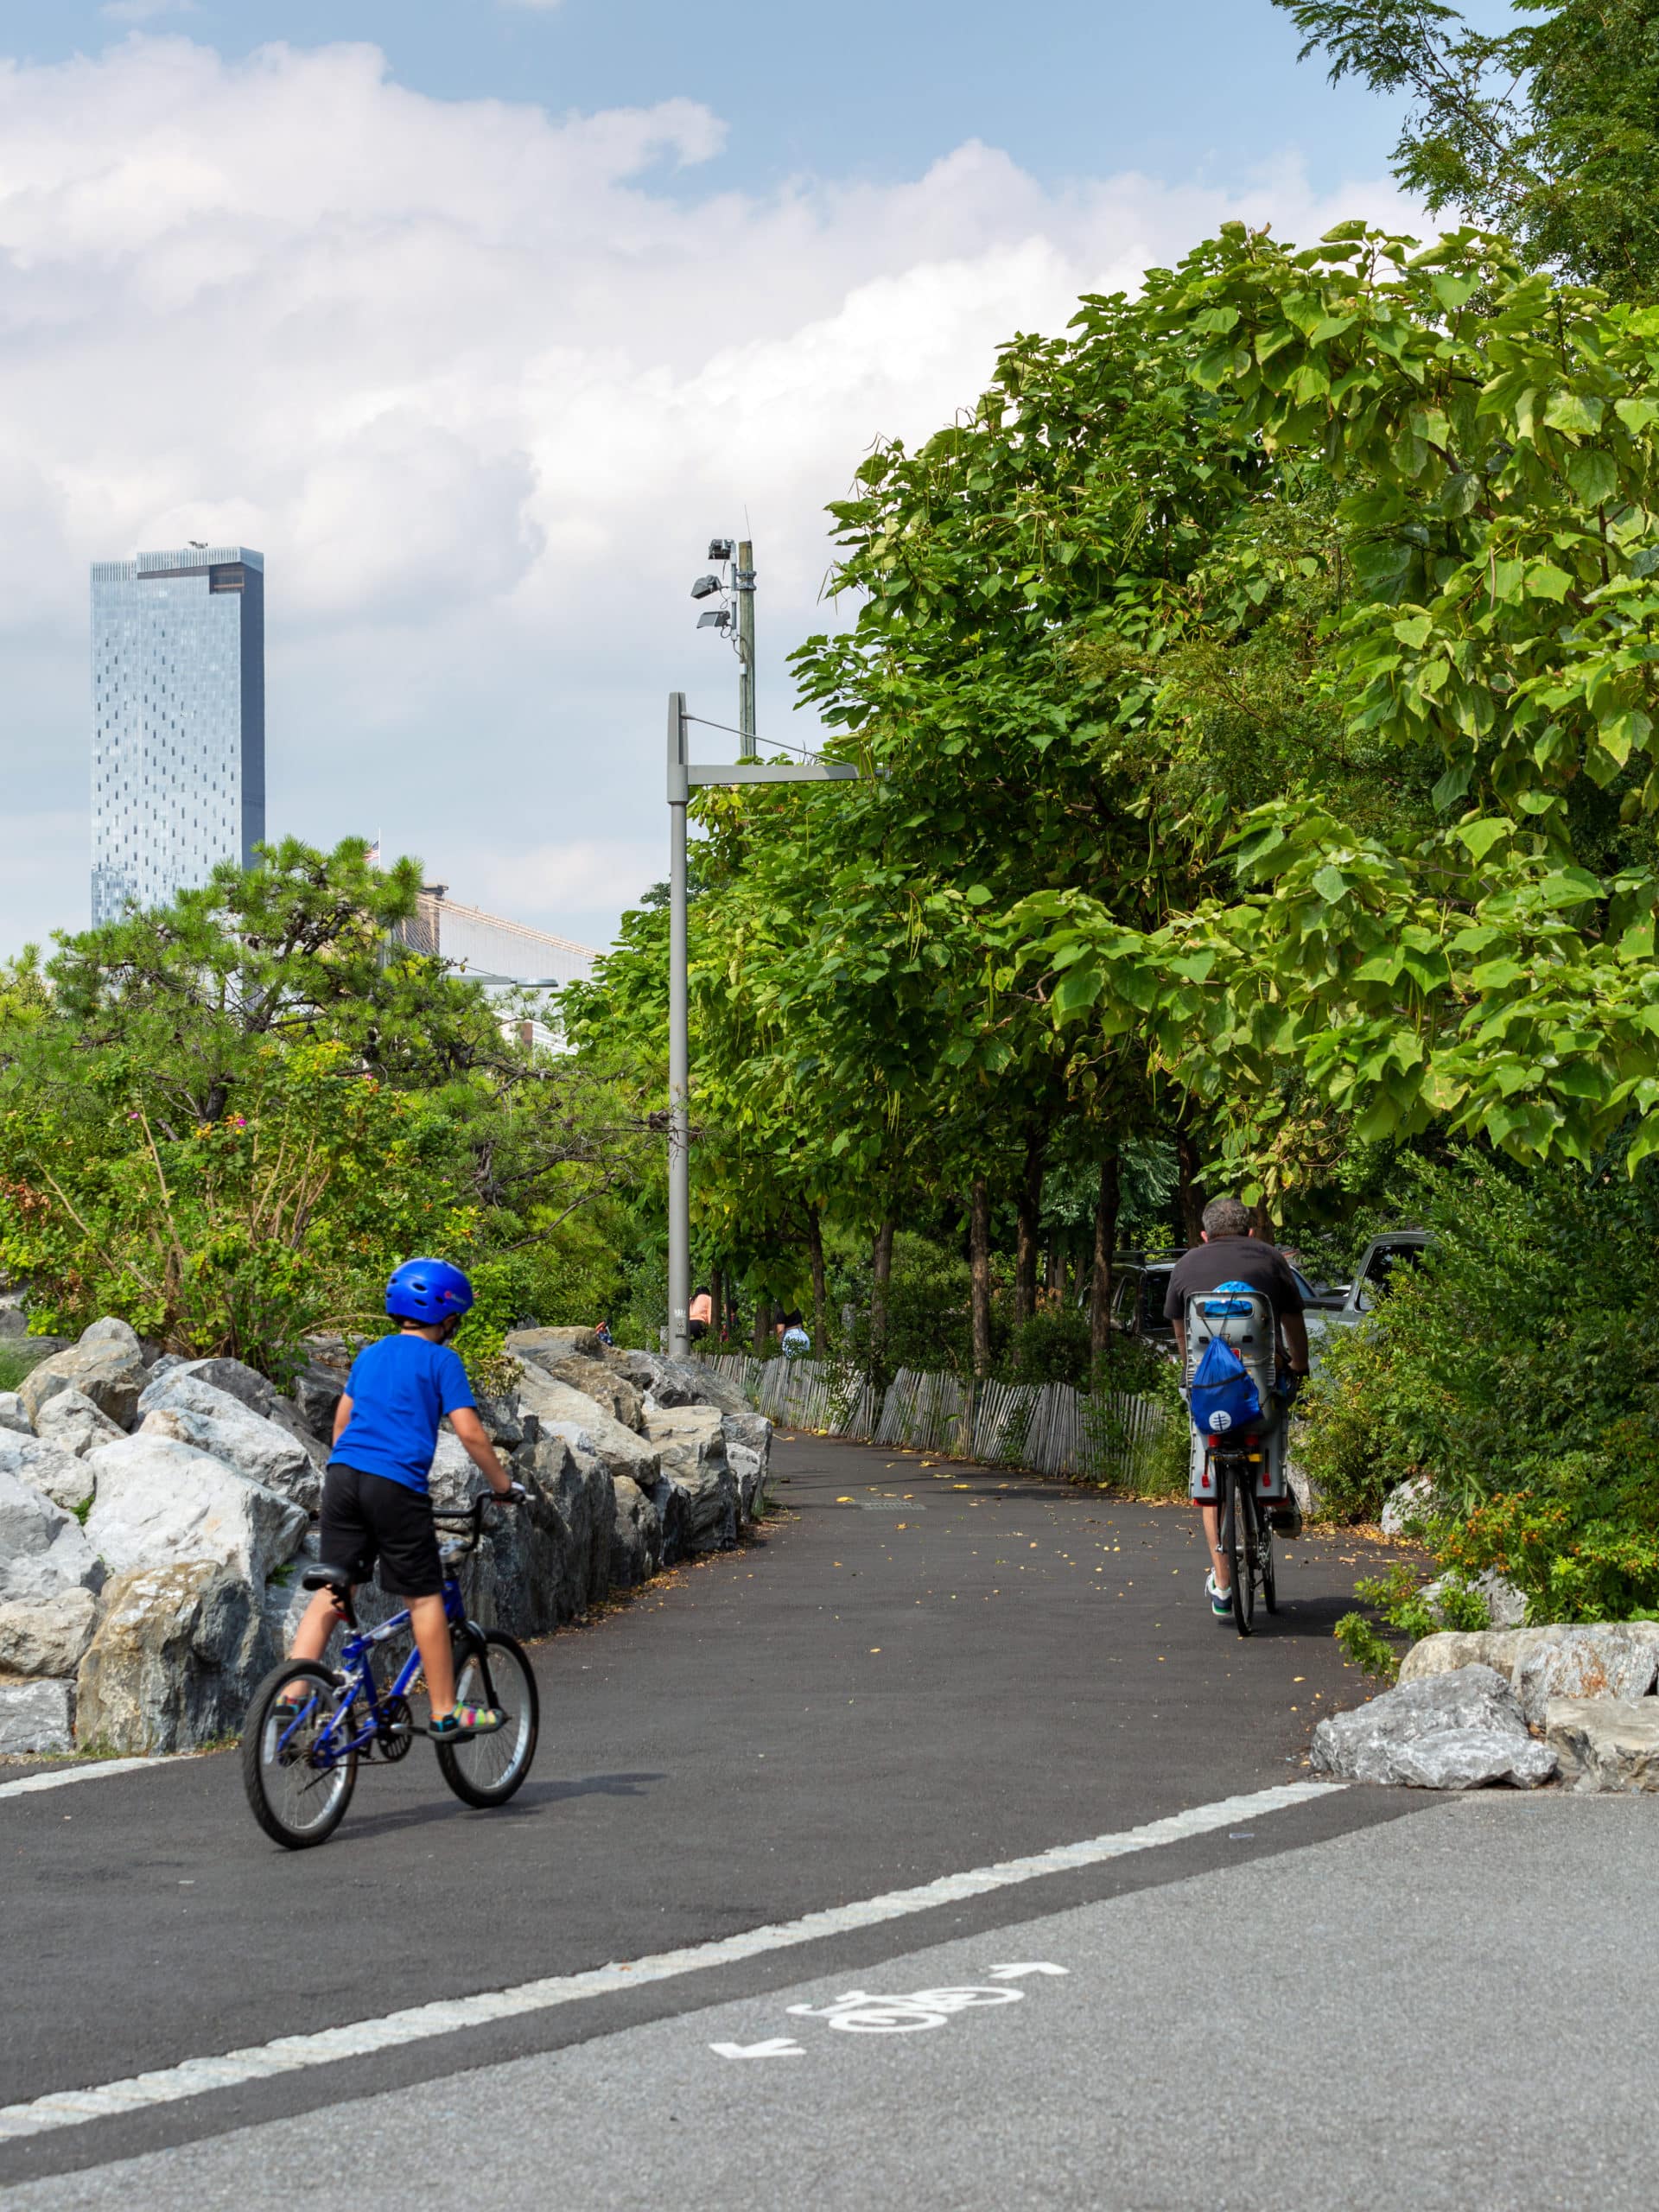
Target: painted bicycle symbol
[(862, 2013)]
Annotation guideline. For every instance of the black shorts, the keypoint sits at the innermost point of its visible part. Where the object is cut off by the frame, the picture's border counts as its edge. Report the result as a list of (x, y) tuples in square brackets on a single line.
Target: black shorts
[(369, 1518)]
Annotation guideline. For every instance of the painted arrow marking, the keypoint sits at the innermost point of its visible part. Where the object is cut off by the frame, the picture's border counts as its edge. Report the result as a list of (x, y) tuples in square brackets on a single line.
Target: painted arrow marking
[(773, 2047), (1034, 1966)]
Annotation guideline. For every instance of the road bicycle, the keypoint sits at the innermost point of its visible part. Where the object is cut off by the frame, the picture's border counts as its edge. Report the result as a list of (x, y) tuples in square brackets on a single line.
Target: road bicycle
[(299, 1768), (1246, 1531)]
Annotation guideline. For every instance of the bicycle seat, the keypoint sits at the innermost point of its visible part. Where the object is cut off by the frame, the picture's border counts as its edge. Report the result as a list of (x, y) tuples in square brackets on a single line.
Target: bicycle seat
[(325, 1577)]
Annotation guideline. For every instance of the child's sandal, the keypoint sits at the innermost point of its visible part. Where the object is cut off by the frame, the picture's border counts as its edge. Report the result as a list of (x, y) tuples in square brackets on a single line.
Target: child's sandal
[(468, 1720)]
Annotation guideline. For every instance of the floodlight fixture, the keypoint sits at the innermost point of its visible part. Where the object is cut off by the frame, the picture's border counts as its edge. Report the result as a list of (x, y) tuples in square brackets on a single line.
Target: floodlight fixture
[(719, 549), (704, 587), (720, 620)]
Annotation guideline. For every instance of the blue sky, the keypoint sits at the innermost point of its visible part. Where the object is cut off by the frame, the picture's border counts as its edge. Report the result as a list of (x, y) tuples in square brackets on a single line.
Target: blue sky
[(870, 87), (477, 318)]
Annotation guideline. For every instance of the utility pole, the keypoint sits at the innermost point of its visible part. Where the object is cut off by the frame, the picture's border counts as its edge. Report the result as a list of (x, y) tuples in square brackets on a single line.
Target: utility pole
[(744, 586), (682, 776)]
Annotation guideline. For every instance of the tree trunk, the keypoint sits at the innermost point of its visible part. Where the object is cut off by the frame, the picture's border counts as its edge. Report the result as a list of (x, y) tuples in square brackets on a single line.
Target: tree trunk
[(1260, 1223), (1099, 1287), (1030, 1213), (820, 1289), (979, 1263), (880, 1278), (1054, 1271), (1192, 1195), (762, 1326)]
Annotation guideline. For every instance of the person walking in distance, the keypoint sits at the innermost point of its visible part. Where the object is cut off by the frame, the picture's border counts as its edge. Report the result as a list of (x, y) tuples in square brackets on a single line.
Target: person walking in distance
[(700, 1314)]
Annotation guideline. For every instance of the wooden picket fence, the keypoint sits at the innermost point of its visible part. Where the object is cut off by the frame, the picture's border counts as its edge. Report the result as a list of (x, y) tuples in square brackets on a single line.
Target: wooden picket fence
[(1046, 1428)]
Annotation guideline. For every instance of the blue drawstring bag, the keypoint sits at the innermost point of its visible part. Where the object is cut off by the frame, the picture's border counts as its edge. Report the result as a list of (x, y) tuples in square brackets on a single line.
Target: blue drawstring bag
[(1224, 1395)]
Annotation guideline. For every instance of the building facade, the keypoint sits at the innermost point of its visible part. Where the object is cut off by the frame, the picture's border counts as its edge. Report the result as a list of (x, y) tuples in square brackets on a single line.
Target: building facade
[(178, 722)]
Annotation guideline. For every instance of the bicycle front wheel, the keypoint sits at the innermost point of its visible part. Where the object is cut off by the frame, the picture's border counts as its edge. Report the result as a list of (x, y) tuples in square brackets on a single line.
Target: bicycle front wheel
[(298, 1785), (487, 1769), (1241, 1542)]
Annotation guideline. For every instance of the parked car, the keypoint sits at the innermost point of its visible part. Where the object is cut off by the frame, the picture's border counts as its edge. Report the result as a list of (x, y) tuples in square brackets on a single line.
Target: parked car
[(1384, 1256), (1139, 1288)]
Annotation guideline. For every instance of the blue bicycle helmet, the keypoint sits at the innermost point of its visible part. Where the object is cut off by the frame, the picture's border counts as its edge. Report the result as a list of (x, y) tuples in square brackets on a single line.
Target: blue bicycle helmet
[(428, 1291)]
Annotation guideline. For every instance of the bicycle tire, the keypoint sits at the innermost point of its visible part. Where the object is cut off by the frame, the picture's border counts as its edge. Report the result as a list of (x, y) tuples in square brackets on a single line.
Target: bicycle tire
[(1241, 1530), (486, 1770), (1270, 1584), (274, 1777)]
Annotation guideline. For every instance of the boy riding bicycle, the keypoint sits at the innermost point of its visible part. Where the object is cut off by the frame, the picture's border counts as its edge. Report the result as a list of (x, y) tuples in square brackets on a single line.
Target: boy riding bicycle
[(377, 1506)]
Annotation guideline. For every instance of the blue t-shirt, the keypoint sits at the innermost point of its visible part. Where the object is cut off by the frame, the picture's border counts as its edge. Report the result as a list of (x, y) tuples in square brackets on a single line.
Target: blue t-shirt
[(400, 1389)]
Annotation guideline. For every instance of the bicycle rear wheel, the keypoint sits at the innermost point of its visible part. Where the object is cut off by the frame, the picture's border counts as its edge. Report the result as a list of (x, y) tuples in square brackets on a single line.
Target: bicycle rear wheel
[(487, 1769), (1240, 1548), (296, 1792)]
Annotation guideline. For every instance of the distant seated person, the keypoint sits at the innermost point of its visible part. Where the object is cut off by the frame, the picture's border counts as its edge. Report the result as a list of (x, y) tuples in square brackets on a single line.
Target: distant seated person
[(793, 1337), (602, 1331), (700, 1314)]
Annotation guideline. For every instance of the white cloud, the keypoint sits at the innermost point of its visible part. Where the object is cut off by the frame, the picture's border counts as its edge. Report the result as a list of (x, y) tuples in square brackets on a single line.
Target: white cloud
[(480, 389)]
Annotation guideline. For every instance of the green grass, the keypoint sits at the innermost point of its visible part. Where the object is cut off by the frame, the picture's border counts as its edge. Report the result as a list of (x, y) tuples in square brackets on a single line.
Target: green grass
[(17, 1355)]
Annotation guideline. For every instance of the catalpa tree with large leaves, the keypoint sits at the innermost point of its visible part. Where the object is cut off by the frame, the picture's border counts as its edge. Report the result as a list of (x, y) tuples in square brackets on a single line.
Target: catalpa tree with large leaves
[(1493, 436)]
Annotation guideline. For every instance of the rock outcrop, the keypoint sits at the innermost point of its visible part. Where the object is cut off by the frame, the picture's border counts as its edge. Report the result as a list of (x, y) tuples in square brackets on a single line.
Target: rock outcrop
[(70, 1421), (37, 1718), (190, 1409), (49, 1577), (1604, 1742), (106, 1366), (64, 1478), (177, 1654), (1615, 1660), (12, 1415), (160, 1502), (1449, 1732)]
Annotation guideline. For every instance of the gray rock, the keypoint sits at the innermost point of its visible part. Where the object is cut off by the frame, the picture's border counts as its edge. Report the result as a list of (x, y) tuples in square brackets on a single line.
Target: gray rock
[(14, 1322), (46, 1635), (108, 1369), (692, 1445), (583, 1421), (255, 1390), (43, 1550), (287, 1416), (1303, 1488), (1612, 1660), (1449, 1732), (636, 1534), (45, 1466), (1604, 1742), (748, 1453), (74, 1424), (1506, 1606), (1407, 1506), (504, 1422), (185, 1405), (164, 1364), (1497, 1648), (614, 1393), (665, 1382), (110, 1331), (554, 1343), (12, 1415), (317, 1390), (161, 1501), (176, 1656), (37, 1718)]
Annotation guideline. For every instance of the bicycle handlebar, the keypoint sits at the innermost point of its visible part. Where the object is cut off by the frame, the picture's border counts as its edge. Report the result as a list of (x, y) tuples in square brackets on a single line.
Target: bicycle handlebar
[(471, 1516)]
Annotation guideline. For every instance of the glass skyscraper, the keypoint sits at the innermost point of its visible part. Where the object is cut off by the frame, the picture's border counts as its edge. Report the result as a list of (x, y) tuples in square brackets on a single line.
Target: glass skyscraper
[(178, 721)]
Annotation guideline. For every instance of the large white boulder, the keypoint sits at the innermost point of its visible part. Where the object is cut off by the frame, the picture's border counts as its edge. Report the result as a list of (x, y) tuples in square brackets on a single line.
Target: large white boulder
[(37, 1718), (691, 1441), (748, 1453), (256, 1391), (188, 1409), (1612, 1659), (1606, 1743), (50, 1467), (161, 1501), (177, 1654), (106, 1365), (586, 1424), (49, 1575), (74, 1423), (12, 1415), (636, 1534), (1449, 1732)]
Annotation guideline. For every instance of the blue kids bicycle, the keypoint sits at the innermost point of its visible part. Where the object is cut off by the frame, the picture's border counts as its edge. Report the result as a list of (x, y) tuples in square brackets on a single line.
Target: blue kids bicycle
[(300, 1754)]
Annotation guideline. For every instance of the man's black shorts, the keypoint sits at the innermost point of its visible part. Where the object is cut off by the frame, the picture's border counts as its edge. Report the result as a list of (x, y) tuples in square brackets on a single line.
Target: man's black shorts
[(369, 1518)]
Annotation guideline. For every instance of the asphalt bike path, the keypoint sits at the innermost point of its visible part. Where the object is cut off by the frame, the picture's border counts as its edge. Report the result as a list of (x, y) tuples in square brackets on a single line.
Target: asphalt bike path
[(1445, 2012), (918, 1669)]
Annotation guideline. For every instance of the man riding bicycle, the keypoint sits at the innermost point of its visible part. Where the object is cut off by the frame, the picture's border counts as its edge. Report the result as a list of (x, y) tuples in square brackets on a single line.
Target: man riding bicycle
[(1231, 1252)]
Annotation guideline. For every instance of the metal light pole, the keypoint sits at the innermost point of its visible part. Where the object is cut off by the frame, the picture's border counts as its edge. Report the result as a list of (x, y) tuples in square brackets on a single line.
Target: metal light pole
[(744, 585), (681, 778)]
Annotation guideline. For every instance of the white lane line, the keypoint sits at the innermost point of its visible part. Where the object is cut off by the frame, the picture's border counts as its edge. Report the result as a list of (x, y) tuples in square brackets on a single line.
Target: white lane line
[(291, 2054), (94, 1773)]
